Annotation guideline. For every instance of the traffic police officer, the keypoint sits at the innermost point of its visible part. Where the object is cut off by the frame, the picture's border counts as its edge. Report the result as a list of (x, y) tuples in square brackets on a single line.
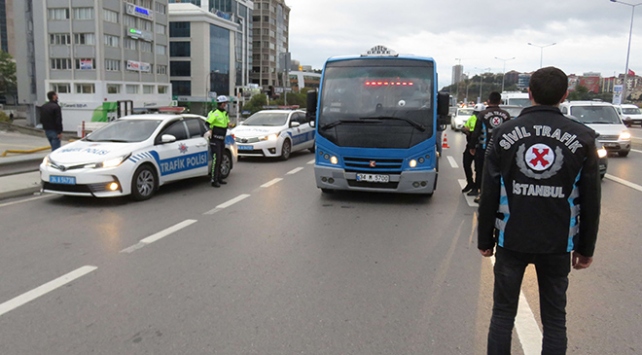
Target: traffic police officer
[(468, 158), (219, 121)]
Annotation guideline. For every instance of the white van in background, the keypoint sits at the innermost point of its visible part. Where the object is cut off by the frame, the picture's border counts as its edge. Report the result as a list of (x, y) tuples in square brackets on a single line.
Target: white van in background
[(630, 114), (515, 98), (605, 120)]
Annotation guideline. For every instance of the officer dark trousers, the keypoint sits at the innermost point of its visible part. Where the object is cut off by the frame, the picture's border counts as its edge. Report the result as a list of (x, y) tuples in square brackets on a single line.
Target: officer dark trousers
[(479, 166), (216, 148), (468, 160)]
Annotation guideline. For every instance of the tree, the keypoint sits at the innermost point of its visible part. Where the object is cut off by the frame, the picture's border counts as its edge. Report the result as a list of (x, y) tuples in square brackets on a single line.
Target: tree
[(7, 74)]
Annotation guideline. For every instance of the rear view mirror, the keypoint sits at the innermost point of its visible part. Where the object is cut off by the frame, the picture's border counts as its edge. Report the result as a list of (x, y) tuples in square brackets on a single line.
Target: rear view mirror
[(311, 109)]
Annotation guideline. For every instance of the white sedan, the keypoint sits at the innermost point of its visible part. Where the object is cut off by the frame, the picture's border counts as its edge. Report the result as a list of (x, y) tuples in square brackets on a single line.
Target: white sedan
[(134, 155), (274, 133), (460, 117)]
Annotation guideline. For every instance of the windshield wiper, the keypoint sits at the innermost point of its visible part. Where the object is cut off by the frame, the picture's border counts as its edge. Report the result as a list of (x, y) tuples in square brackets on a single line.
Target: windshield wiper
[(110, 140), (416, 125), (340, 122)]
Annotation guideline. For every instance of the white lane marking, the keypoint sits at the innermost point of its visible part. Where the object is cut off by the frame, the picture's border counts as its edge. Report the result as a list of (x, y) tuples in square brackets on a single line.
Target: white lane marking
[(469, 199), (530, 336), (155, 237), (294, 171), (623, 182), (25, 200), (270, 183), (44, 289), (233, 201), (311, 162), (637, 151), (452, 162)]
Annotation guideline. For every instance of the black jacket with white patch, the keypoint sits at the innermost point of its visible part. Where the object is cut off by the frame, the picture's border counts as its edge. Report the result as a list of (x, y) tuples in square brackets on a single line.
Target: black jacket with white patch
[(540, 185)]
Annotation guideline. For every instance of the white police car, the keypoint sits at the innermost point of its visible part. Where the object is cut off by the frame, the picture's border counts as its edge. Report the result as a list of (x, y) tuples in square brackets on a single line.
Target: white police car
[(274, 133), (134, 155)]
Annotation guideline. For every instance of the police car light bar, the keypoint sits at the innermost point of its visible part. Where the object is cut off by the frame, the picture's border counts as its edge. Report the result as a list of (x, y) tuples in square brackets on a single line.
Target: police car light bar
[(171, 109)]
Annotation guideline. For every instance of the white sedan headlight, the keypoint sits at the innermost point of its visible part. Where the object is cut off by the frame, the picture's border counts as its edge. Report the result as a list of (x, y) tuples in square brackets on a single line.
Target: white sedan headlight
[(46, 161), (601, 152), (625, 135), (109, 163), (270, 137)]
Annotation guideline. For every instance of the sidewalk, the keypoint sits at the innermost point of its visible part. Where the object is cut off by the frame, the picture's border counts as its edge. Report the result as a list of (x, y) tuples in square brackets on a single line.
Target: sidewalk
[(18, 136)]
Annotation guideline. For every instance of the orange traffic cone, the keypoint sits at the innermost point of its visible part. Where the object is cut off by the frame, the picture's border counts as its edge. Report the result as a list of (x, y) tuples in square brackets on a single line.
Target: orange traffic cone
[(444, 143)]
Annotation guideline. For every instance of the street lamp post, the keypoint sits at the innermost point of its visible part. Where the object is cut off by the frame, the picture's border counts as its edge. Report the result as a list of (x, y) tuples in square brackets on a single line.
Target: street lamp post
[(628, 49), (481, 84), (541, 50), (504, 70)]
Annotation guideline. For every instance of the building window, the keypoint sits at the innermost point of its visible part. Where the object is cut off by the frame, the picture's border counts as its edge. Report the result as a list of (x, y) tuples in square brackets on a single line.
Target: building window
[(129, 20), (112, 65), (161, 69), (85, 89), (145, 46), (180, 49), (84, 13), (84, 38), (162, 89), (145, 3), (85, 64), (179, 29), (60, 38), (160, 29), (160, 8), (129, 43), (146, 25), (148, 89), (60, 63), (177, 68), (113, 88), (58, 14), (110, 16), (180, 87), (131, 89), (61, 88), (160, 49), (111, 41)]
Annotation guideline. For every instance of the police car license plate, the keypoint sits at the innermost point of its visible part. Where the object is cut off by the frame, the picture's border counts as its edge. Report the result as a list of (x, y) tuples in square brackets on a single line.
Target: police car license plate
[(64, 180), (373, 178), (246, 147)]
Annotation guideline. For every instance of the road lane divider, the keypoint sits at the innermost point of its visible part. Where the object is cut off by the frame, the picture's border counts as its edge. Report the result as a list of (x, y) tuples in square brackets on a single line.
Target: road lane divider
[(157, 236), (44, 289), (311, 162), (271, 182), (227, 204), (469, 199), (623, 182), (452, 162), (637, 151), (294, 171)]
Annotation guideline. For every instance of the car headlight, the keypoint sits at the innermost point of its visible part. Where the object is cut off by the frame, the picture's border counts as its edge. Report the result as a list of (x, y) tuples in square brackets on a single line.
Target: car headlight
[(46, 161), (601, 152), (625, 135), (109, 163), (270, 137)]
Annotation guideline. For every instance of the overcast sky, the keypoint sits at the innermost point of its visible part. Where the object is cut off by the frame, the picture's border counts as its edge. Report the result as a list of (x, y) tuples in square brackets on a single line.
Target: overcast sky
[(590, 35)]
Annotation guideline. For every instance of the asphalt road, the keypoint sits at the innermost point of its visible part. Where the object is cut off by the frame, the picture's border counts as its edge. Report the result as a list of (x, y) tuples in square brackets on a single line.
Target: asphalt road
[(269, 265)]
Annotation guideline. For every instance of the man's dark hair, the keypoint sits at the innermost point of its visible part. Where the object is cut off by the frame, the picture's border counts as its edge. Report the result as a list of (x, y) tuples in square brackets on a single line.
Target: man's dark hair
[(548, 86), (494, 98), (50, 95)]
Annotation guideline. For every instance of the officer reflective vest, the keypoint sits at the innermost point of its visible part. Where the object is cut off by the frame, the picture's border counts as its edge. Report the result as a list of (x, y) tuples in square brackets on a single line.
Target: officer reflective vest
[(218, 121)]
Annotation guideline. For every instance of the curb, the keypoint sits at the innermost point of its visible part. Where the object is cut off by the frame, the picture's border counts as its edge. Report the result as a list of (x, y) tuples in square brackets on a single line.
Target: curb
[(20, 192), (32, 131)]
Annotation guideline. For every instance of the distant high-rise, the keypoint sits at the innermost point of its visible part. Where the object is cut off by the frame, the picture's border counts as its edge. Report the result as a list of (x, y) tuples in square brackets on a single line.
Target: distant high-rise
[(271, 21), (458, 70)]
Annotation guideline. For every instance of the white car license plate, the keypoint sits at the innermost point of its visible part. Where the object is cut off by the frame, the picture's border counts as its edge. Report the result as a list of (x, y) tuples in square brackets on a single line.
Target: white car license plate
[(63, 180), (373, 178), (246, 147)]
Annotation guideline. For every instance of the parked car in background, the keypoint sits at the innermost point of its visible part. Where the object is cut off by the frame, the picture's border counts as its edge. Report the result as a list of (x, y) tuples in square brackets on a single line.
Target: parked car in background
[(274, 133), (630, 114), (462, 114), (604, 119), (513, 110)]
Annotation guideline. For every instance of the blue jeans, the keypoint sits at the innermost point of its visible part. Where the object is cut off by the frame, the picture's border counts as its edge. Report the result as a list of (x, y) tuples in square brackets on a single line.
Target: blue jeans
[(552, 278), (52, 136)]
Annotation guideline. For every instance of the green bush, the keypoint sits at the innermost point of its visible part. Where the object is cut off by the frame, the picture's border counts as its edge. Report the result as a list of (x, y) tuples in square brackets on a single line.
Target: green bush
[(4, 117)]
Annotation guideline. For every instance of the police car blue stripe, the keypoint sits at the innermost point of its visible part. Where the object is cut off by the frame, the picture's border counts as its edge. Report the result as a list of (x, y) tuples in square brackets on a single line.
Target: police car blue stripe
[(574, 227), (180, 163)]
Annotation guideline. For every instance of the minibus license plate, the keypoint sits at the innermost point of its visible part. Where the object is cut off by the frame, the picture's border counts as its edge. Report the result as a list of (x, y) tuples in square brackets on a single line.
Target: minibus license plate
[(373, 178)]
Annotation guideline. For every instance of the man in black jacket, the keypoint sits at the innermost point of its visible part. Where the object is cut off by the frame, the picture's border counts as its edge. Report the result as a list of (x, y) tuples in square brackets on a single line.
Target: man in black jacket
[(51, 119), (540, 204)]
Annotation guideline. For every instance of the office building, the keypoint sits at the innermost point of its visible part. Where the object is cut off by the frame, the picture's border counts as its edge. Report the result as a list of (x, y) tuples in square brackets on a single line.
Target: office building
[(271, 20), (93, 53), (210, 50), (457, 73)]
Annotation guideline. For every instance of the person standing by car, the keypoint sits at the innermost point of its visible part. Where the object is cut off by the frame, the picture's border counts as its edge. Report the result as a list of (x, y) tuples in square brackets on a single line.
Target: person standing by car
[(51, 119), (468, 158), (487, 120), (219, 121), (540, 205)]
